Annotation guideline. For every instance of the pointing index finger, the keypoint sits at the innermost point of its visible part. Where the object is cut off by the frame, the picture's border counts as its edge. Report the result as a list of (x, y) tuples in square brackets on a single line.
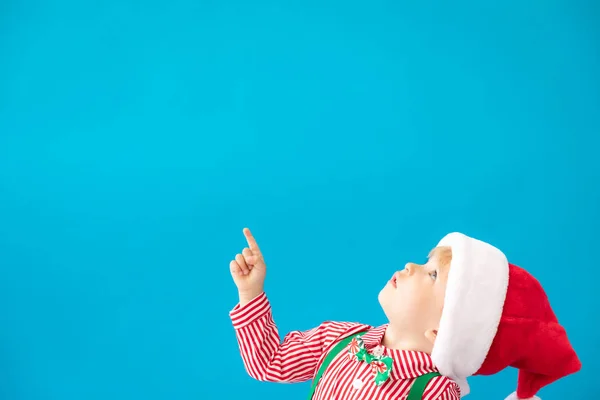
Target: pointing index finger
[(251, 241)]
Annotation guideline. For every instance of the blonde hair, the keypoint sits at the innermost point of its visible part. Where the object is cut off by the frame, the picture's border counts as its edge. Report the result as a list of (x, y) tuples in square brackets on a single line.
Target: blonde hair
[(443, 254)]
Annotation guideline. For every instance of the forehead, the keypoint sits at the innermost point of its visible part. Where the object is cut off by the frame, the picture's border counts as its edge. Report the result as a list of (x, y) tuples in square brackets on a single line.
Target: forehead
[(442, 254)]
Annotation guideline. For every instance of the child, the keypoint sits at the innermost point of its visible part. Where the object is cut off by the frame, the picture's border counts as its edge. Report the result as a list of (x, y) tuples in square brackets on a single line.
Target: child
[(466, 312)]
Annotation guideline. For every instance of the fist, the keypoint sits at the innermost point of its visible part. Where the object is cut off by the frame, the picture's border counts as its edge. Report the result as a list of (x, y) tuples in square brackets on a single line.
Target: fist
[(248, 270)]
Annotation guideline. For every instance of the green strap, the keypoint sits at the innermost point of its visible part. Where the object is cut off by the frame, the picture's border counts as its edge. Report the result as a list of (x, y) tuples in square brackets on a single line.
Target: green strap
[(338, 347), (419, 385), (416, 391)]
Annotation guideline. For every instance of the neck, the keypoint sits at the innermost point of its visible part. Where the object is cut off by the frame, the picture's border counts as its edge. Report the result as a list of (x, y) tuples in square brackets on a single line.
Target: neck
[(405, 339)]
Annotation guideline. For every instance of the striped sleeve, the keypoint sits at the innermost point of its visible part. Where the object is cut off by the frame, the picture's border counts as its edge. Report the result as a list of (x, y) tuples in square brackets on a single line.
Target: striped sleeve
[(441, 388), (265, 357)]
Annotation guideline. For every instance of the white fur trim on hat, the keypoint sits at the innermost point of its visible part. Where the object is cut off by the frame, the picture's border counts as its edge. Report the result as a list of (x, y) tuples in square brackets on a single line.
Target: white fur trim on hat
[(475, 293), (513, 396), (463, 385)]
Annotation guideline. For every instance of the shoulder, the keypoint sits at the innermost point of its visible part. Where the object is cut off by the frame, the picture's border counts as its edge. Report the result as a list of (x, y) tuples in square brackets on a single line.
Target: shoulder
[(334, 331), (341, 329), (441, 388)]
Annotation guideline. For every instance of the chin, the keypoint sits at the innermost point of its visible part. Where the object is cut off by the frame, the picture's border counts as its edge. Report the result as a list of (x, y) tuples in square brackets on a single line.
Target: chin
[(383, 298)]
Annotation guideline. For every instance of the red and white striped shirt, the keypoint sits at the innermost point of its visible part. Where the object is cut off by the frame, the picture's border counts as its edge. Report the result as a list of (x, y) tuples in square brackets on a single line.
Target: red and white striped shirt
[(298, 358)]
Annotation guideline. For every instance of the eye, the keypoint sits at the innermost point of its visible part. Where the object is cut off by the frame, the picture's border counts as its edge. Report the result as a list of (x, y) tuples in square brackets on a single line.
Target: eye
[(433, 275)]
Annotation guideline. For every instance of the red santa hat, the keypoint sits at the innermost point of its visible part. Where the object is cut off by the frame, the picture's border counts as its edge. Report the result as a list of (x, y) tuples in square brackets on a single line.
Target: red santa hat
[(497, 315)]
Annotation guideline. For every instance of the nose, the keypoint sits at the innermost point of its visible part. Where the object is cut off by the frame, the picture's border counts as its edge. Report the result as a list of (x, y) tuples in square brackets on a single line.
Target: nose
[(409, 268)]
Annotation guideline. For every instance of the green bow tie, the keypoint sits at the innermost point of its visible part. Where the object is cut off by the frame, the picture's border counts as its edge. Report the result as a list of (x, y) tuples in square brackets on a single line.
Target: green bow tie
[(382, 365)]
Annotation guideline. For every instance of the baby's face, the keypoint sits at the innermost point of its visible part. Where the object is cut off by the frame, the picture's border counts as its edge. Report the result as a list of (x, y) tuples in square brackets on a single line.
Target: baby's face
[(413, 298)]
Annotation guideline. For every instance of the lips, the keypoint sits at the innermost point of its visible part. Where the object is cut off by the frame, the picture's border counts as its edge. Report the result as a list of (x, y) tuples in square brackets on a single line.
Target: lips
[(393, 280)]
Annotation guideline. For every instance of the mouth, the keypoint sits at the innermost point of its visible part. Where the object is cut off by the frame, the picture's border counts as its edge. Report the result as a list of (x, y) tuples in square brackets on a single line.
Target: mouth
[(393, 280)]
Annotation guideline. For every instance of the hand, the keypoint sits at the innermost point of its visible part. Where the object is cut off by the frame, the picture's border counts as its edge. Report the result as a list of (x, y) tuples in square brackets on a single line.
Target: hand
[(248, 270)]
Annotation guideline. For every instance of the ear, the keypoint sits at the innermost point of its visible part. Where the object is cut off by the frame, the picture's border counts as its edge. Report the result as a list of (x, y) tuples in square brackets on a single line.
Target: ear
[(431, 335)]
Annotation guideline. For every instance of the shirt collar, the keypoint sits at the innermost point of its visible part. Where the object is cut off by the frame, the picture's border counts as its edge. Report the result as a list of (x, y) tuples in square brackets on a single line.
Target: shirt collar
[(407, 364)]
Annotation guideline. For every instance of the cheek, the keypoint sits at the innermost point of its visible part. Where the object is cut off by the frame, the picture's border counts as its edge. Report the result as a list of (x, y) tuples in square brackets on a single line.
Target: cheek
[(417, 296), (410, 289), (386, 294), (439, 301)]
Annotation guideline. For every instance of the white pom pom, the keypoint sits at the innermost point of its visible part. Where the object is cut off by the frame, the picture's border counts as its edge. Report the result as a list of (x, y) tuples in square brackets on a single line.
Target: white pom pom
[(513, 396)]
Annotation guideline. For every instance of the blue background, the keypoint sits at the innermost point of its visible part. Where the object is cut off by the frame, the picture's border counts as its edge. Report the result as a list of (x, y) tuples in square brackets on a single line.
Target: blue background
[(137, 139)]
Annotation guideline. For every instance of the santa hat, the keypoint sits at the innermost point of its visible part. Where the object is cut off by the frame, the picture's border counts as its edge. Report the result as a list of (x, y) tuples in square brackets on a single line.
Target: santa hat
[(497, 315)]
